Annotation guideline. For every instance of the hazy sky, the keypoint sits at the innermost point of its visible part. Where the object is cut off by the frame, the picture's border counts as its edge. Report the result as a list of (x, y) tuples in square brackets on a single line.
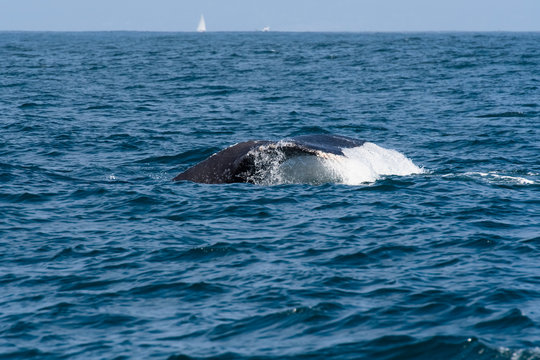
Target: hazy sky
[(283, 15)]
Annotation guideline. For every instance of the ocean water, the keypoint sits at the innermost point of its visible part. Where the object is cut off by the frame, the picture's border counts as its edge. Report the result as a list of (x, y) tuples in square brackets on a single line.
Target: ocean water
[(104, 257)]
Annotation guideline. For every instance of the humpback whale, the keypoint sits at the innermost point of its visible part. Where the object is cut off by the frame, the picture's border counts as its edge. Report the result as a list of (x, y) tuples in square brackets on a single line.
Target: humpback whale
[(244, 161)]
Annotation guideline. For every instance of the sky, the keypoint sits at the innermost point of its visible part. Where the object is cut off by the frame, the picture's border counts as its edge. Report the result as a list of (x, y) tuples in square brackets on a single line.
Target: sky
[(279, 15)]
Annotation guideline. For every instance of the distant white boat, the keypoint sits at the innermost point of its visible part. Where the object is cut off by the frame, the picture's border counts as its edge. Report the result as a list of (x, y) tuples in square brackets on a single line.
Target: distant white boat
[(202, 25), (266, 29)]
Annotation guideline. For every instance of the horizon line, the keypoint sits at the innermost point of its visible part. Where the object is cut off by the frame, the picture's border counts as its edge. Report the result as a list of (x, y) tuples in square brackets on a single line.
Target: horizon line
[(281, 31)]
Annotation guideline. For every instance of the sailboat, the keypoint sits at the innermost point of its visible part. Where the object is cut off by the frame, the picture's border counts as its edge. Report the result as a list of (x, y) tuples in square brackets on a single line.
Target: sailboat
[(202, 25)]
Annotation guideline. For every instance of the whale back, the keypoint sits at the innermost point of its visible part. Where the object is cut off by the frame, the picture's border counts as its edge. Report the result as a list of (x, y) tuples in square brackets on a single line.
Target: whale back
[(242, 161), (333, 144), (222, 167)]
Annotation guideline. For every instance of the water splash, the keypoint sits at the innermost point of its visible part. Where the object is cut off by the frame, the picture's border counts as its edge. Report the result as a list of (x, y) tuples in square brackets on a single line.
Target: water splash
[(370, 162), (358, 165)]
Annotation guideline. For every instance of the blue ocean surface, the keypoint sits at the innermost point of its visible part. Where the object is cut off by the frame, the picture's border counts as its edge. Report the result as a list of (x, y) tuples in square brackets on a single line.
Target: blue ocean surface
[(103, 256)]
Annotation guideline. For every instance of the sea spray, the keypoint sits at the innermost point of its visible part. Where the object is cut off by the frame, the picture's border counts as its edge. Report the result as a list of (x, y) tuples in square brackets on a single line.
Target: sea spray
[(358, 165), (367, 163)]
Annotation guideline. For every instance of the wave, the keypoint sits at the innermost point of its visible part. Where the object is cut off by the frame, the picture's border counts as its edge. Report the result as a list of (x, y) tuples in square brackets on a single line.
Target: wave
[(358, 165), (507, 114), (397, 347), (496, 178)]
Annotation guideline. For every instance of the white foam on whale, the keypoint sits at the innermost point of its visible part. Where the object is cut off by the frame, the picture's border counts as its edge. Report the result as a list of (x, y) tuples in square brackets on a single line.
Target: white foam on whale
[(358, 165)]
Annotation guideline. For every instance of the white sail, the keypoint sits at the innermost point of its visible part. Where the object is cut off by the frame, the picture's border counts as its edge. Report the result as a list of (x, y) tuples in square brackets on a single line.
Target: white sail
[(202, 25)]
